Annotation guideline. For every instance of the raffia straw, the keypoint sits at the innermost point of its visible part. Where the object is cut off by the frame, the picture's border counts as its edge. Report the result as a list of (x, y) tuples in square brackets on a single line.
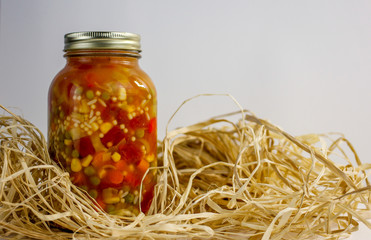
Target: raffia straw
[(216, 179)]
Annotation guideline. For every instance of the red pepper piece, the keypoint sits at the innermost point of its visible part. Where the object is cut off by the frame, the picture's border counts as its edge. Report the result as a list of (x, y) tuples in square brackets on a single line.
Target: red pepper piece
[(121, 165), (152, 125), (98, 160), (65, 108), (115, 176), (139, 122), (122, 117), (143, 166), (132, 179), (130, 152), (110, 112), (114, 135), (105, 114), (147, 200), (91, 79), (101, 203), (79, 178), (84, 146)]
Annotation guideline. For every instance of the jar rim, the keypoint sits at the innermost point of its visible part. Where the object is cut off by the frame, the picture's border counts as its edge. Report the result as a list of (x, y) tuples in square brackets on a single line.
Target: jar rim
[(102, 40)]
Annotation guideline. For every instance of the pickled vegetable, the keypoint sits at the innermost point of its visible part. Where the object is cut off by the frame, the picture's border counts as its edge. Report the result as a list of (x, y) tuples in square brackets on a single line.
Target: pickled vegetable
[(103, 129)]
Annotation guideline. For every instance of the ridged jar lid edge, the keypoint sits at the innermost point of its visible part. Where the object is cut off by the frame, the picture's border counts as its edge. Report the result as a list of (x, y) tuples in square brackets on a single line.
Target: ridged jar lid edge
[(102, 40)]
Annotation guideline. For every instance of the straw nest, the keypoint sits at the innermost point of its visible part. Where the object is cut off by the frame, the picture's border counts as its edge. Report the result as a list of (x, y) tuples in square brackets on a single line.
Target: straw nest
[(217, 179)]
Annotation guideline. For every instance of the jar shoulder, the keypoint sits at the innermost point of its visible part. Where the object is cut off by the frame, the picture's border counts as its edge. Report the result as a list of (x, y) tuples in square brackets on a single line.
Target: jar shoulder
[(105, 77)]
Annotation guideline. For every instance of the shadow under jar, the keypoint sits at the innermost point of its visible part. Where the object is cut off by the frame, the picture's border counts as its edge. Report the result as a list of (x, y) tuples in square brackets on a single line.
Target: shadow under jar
[(102, 120)]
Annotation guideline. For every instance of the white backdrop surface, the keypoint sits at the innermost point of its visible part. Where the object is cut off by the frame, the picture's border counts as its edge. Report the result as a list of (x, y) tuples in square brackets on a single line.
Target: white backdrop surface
[(304, 65)]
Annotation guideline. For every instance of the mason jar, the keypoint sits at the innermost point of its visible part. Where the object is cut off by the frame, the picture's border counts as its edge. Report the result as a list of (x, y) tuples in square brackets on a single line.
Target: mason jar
[(102, 120)]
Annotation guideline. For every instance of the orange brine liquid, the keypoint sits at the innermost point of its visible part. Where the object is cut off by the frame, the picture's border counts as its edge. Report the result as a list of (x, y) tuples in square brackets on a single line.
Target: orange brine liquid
[(102, 128)]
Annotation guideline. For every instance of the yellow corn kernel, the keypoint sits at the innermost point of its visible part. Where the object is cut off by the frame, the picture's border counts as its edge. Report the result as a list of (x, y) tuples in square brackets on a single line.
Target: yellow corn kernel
[(87, 160), (94, 126), (116, 157), (67, 142), (110, 196), (131, 168), (83, 107), (109, 192), (75, 133), (102, 173), (150, 158), (122, 94), (128, 108), (97, 144), (105, 127), (112, 200), (76, 165)]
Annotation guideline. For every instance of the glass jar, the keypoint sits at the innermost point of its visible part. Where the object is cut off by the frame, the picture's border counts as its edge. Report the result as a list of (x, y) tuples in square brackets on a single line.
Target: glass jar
[(102, 120)]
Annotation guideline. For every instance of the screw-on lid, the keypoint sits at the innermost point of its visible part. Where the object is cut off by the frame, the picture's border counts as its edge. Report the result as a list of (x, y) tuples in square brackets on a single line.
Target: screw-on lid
[(102, 40)]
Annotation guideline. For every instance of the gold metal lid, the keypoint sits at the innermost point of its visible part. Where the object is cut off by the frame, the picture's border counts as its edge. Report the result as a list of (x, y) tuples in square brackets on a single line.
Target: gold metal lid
[(102, 40)]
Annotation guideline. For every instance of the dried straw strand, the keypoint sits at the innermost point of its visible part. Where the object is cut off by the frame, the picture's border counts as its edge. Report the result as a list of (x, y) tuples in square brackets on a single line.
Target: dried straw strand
[(216, 179)]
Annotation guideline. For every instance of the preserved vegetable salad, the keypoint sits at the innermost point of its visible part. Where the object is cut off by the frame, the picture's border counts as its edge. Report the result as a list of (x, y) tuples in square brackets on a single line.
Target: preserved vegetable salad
[(102, 128)]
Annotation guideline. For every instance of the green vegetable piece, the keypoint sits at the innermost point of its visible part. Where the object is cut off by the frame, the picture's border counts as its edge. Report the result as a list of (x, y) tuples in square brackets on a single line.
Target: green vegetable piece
[(89, 94), (61, 146), (61, 114), (110, 208), (67, 135), (105, 96), (135, 211), (129, 198), (68, 151), (95, 180), (75, 153), (93, 193), (78, 90), (89, 171), (139, 133)]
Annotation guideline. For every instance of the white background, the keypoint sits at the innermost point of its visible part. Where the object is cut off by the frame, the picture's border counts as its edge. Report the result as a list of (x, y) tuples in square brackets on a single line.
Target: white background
[(304, 65)]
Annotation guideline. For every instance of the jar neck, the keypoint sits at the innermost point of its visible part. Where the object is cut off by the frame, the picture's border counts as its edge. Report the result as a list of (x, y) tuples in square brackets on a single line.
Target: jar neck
[(97, 56)]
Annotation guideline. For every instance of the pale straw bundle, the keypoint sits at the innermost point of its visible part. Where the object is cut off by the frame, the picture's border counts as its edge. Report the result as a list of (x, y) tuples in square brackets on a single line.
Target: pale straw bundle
[(216, 179)]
